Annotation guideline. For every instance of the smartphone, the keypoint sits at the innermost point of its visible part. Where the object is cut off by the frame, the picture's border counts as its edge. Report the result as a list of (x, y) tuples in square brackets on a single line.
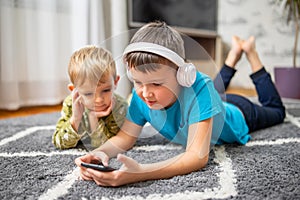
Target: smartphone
[(99, 167)]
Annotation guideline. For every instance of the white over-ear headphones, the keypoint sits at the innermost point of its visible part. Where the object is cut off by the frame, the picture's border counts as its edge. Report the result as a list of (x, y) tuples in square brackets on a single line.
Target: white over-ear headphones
[(186, 74)]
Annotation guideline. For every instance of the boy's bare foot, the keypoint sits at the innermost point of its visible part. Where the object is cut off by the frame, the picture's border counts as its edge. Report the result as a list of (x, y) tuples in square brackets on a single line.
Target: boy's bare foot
[(248, 46), (235, 52)]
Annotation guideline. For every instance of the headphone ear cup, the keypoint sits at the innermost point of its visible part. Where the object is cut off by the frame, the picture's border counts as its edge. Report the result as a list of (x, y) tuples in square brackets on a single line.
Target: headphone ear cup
[(129, 76), (128, 73), (186, 75)]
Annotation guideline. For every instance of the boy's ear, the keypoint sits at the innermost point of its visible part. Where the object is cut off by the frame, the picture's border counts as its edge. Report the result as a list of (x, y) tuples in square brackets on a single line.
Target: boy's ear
[(71, 87)]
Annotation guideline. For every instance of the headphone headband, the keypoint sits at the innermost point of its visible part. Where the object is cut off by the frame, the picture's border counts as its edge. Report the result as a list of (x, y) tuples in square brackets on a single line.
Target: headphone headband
[(156, 49), (186, 74)]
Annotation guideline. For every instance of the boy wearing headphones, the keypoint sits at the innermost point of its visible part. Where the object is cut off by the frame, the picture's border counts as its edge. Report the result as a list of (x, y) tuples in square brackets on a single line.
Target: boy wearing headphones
[(181, 104)]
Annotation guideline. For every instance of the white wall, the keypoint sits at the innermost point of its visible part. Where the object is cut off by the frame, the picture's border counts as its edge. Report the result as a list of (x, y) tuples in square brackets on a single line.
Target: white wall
[(261, 18), (118, 41)]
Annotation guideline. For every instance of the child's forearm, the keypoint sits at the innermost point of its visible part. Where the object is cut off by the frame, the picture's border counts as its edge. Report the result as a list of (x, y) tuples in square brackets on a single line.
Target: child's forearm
[(74, 123), (194, 158), (117, 144), (182, 164)]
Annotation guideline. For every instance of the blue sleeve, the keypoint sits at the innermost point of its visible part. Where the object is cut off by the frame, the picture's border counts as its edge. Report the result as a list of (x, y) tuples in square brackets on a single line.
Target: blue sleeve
[(207, 102)]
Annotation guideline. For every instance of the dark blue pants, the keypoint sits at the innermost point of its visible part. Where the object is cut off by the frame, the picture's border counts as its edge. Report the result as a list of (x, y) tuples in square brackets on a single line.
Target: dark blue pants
[(269, 113)]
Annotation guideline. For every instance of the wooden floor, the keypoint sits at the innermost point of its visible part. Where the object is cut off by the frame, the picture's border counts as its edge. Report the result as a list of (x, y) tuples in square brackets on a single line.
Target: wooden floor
[(25, 111), (243, 92)]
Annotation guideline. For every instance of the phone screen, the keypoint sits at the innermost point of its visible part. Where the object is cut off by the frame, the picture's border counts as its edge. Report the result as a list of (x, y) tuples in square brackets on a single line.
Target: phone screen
[(98, 167)]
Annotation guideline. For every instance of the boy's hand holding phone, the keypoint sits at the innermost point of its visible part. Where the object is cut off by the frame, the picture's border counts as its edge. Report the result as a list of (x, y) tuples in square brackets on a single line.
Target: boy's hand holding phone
[(95, 160)]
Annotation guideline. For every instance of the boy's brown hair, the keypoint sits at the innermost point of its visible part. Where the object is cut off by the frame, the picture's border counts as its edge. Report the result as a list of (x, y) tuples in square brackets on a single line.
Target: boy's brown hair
[(158, 33)]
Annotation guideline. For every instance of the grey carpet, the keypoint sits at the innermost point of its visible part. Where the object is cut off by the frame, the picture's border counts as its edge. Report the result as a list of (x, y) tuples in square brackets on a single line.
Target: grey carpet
[(266, 168)]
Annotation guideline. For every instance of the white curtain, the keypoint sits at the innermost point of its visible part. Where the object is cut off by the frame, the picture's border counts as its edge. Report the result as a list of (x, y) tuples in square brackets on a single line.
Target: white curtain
[(37, 38)]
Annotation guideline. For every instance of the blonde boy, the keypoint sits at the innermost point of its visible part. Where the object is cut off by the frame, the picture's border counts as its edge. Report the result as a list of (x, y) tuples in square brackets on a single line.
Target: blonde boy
[(92, 113)]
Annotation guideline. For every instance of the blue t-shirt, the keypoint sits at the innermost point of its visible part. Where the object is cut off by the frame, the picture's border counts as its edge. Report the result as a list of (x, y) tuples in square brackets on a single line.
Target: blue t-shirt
[(194, 104)]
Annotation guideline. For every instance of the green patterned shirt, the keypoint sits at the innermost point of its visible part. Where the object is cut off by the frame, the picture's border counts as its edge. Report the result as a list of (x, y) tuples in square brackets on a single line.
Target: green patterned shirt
[(66, 137)]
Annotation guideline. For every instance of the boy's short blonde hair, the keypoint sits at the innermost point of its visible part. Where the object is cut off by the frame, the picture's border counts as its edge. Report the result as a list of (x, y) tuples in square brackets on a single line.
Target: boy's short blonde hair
[(90, 63), (158, 33)]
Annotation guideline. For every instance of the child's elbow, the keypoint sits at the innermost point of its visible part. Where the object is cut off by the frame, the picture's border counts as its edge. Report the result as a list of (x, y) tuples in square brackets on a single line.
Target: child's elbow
[(203, 162), (62, 144), (195, 163)]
